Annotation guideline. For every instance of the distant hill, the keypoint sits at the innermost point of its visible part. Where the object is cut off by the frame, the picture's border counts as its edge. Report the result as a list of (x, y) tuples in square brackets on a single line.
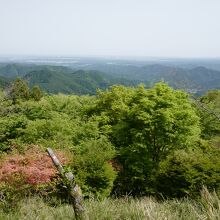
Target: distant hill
[(13, 70), (206, 78), (196, 80), (4, 82), (79, 82), (54, 79)]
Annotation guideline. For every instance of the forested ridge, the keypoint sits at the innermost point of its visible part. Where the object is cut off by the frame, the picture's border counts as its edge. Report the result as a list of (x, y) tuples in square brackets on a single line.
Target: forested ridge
[(84, 79)]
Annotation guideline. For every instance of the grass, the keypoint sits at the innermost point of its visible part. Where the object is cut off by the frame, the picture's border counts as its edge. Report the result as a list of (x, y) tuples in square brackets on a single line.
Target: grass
[(207, 208)]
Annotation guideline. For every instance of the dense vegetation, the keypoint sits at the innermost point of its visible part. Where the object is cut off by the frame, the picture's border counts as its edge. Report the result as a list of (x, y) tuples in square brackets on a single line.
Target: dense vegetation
[(197, 80), (85, 78), (58, 79), (123, 141)]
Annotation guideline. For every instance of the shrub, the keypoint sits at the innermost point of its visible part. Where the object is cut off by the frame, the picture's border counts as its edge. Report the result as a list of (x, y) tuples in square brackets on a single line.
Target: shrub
[(36, 93), (26, 174), (55, 121), (185, 172), (10, 129), (92, 167), (19, 91)]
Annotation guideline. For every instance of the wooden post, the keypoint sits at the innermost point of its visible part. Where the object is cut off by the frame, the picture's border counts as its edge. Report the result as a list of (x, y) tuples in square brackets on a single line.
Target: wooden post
[(74, 189)]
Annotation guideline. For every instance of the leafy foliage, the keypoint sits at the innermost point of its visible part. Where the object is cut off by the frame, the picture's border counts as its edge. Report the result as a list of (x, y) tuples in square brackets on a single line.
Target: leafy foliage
[(92, 167), (124, 140), (59, 122), (29, 173), (186, 172), (145, 125)]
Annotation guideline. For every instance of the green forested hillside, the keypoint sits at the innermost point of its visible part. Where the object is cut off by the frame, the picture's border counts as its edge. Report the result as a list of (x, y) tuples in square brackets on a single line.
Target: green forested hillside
[(55, 79), (197, 80), (59, 79), (13, 70), (78, 82), (4, 82)]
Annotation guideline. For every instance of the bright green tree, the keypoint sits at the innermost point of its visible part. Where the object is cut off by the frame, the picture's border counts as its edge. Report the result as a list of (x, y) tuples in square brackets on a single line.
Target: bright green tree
[(145, 125)]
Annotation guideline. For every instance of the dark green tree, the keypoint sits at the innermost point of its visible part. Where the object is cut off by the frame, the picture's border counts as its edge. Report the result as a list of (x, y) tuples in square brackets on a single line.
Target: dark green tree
[(185, 172), (209, 112), (36, 93), (19, 90)]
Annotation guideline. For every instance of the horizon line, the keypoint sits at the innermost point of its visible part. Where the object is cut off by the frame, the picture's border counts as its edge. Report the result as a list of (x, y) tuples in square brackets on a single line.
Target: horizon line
[(105, 56)]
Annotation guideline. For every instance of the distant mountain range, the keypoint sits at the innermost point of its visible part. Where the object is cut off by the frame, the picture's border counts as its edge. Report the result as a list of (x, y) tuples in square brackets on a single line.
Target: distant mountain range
[(59, 79), (55, 79)]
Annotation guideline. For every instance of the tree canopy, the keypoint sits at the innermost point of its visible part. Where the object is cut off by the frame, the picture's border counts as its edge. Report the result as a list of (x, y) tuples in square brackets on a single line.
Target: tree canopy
[(145, 125), (124, 140)]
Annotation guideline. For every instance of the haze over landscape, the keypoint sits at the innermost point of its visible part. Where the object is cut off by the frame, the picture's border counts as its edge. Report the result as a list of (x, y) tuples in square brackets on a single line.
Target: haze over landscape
[(161, 28), (129, 41), (110, 42)]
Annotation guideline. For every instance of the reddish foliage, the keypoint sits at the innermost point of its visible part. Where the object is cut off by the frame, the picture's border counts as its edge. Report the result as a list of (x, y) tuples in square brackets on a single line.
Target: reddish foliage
[(34, 167)]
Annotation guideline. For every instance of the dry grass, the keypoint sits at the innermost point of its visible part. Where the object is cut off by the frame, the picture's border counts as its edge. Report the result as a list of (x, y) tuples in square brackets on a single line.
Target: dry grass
[(124, 209)]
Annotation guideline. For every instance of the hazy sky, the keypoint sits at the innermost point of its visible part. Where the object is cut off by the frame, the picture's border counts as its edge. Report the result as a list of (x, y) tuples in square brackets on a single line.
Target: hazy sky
[(183, 28)]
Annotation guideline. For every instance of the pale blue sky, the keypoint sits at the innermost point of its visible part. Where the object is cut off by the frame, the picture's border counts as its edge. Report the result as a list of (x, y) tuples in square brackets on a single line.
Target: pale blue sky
[(172, 28)]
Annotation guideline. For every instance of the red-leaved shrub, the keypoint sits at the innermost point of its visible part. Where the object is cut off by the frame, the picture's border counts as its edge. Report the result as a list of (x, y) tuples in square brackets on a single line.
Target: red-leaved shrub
[(33, 167)]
